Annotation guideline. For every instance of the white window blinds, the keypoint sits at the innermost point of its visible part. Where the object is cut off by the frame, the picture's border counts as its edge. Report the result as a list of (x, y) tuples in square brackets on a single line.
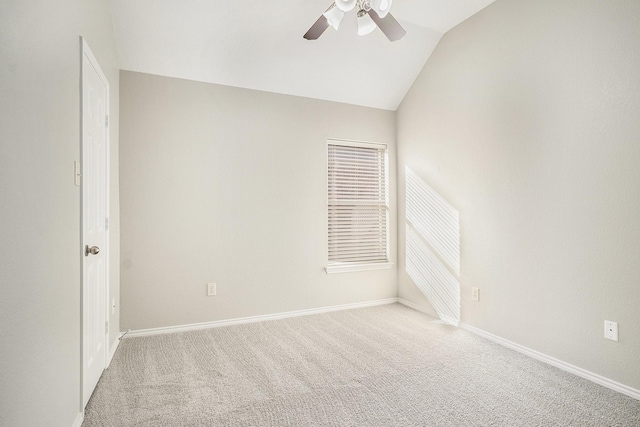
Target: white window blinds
[(358, 203)]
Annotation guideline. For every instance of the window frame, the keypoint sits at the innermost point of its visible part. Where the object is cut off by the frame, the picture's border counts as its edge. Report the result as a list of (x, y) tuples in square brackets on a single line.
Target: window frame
[(359, 264)]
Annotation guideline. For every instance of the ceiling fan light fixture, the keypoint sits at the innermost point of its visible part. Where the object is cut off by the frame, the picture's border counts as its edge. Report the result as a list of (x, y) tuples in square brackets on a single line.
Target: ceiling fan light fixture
[(346, 5), (371, 14), (381, 7), (365, 23), (334, 16)]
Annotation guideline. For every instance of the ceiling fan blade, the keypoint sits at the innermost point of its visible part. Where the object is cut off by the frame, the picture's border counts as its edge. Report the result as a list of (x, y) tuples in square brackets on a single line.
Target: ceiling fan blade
[(317, 29), (388, 25)]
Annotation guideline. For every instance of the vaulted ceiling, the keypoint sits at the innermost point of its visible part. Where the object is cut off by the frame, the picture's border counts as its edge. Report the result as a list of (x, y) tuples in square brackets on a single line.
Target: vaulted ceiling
[(259, 45)]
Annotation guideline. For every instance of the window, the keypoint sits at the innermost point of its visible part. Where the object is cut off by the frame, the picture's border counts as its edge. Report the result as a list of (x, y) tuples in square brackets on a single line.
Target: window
[(358, 206)]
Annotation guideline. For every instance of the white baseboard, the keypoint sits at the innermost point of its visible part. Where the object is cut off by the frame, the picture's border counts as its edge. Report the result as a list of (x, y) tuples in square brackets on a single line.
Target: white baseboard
[(79, 420), (253, 319), (598, 379), (112, 351)]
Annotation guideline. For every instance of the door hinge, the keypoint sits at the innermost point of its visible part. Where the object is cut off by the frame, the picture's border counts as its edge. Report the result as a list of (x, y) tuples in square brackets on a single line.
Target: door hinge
[(106, 327), (106, 120), (106, 223)]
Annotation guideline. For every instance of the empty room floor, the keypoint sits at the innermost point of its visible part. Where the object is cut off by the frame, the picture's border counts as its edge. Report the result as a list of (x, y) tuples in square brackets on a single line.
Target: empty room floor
[(380, 366)]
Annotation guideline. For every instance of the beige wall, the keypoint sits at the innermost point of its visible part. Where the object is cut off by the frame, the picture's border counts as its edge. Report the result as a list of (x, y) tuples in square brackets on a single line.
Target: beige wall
[(40, 208), (526, 120), (228, 185)]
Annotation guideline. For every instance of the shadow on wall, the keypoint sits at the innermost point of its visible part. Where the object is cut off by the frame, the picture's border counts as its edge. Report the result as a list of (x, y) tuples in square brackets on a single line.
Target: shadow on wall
[(433, 247)]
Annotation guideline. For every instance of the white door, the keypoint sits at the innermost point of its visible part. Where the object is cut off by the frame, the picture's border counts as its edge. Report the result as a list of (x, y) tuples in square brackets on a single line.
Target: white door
[(95, 90)]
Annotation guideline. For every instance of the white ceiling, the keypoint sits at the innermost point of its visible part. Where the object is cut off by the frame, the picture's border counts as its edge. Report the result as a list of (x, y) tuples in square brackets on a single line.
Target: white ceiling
[(259, 45)]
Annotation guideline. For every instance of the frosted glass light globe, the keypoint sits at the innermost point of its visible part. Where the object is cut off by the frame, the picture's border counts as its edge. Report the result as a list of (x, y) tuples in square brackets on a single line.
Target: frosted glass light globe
[(365, 24), (346, 5), (334, 17), (381, 7)]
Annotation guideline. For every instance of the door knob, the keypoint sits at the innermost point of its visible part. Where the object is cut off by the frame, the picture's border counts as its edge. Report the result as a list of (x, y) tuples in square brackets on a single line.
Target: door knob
[(93, 250)]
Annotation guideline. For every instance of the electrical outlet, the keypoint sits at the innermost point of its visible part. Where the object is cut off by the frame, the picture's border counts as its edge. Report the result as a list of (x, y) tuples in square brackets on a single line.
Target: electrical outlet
[(475, 294), (211, 289), (611, 330)]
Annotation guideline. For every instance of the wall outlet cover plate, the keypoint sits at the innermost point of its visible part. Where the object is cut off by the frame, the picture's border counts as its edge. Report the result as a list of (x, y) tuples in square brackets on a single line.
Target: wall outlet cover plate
[(611, 330), (211, 289)]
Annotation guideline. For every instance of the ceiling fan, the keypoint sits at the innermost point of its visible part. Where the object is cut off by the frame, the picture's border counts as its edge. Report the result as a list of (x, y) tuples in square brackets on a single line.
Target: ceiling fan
[(371, 13)]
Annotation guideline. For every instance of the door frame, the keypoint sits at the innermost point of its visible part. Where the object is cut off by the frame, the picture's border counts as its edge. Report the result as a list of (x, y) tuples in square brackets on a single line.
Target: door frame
[(85, 51)]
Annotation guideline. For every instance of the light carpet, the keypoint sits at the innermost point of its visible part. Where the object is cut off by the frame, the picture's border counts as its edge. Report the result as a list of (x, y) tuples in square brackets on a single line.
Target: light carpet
[(380, 366)]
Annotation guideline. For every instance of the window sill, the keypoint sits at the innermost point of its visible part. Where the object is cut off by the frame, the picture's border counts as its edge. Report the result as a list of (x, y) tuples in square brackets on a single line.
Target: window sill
[(347, 268)]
